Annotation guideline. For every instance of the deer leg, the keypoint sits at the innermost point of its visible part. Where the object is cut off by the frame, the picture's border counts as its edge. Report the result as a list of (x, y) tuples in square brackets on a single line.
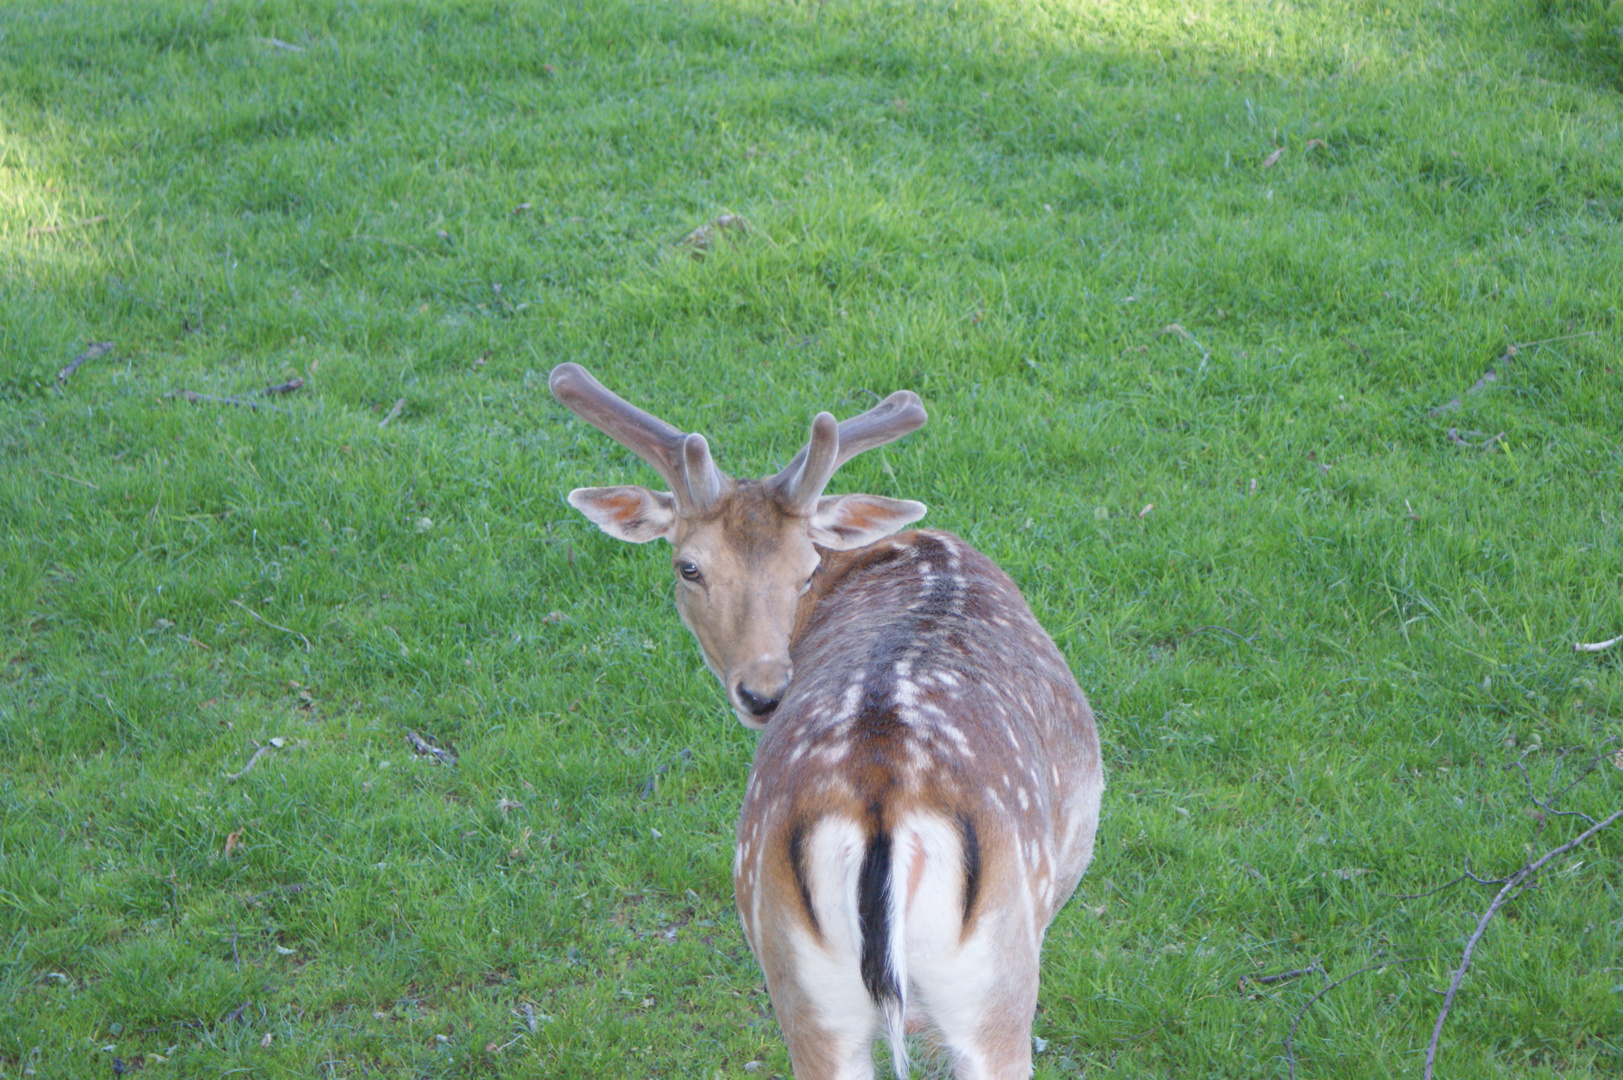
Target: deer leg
[(828, 1021), (981, 998), (813, 968)]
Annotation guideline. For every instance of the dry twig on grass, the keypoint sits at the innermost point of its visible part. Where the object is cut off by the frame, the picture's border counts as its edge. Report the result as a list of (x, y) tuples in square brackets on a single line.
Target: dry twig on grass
[(398, 408), (1547, 804), (1518, 881), (1282, 976), (1514, 884), (1596, 646), (1492, 374), (1177, 328), (422, 746), (99, 349), (233, 777), (1467, 876), (1290, 1039), (276, 626), (210, 399)]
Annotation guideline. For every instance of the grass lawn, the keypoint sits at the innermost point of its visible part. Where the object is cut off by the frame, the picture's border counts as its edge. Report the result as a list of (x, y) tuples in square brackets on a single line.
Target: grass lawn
[(1201, 296)]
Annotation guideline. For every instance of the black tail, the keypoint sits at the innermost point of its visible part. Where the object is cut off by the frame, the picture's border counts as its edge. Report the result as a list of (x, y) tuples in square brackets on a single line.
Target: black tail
[(874, 884), (873, 912)]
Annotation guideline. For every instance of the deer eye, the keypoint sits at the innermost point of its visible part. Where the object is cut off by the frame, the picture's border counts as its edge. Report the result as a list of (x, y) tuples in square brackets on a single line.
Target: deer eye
[(689, 571)]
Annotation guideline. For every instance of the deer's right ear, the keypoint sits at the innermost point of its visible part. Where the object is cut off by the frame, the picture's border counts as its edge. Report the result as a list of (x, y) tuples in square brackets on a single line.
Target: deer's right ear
[(628, 512)]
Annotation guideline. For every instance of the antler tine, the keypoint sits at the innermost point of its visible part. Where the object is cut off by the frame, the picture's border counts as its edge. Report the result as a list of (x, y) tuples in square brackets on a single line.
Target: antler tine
[(699, 473), (900, 414), (801, 487), (646, 435)]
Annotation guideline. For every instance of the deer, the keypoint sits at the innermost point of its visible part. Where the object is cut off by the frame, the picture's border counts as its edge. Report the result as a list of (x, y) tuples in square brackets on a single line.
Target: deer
[(925, 790)]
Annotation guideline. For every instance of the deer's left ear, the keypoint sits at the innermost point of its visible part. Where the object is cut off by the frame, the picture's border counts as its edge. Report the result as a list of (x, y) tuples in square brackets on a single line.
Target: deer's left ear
[(843, 522), (628, 512)]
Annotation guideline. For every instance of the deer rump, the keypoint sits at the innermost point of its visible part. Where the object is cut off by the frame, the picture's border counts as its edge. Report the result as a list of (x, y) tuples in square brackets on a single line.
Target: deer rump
[(920, 805)]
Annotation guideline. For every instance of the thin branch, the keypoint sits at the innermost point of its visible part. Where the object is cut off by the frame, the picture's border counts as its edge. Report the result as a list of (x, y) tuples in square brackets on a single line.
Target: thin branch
[(99, 349), (1429, 892), (252, 761), (1547, 807), (1175, 328), (275, 626), (398, 408), (428, 749), (1518, 881), (1596, 646), (285, 388), (196, 398), (1290, 1051), (1295, 973)]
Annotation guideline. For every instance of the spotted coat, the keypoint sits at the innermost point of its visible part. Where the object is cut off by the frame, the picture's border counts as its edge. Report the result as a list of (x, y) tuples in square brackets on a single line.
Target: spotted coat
[(925, 693)]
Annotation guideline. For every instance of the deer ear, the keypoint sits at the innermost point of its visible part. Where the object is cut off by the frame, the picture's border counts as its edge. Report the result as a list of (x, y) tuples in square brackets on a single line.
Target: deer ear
[(843, 522), (628, 512)]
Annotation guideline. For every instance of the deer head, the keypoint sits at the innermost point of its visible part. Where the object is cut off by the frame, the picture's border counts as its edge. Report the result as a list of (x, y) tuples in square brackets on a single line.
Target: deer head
[(745, 553)]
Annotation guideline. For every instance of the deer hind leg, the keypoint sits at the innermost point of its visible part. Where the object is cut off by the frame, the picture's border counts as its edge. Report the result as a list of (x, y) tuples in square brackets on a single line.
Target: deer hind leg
[(833, 1043), (812, 958), (977, 990), (980, 1000)]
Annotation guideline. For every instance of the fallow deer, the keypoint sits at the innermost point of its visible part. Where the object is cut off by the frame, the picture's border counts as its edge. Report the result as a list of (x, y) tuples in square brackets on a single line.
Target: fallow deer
[(926, 788)]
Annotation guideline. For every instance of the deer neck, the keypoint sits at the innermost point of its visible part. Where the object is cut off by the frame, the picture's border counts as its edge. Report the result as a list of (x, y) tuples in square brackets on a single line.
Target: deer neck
[(835, 569)]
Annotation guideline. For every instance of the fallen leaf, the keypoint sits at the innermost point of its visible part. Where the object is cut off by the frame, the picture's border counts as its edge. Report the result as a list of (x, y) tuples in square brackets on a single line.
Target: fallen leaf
[(264, 1044), (231, 842), (508, 805), (1311, 143), (1273, 159)]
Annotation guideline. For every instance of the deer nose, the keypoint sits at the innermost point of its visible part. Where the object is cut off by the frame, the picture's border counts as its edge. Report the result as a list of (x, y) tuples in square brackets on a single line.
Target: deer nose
[(757, 704)]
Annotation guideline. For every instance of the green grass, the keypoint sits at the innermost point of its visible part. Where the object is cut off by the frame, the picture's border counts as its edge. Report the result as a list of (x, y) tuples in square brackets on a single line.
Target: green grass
[(1314, 659)]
